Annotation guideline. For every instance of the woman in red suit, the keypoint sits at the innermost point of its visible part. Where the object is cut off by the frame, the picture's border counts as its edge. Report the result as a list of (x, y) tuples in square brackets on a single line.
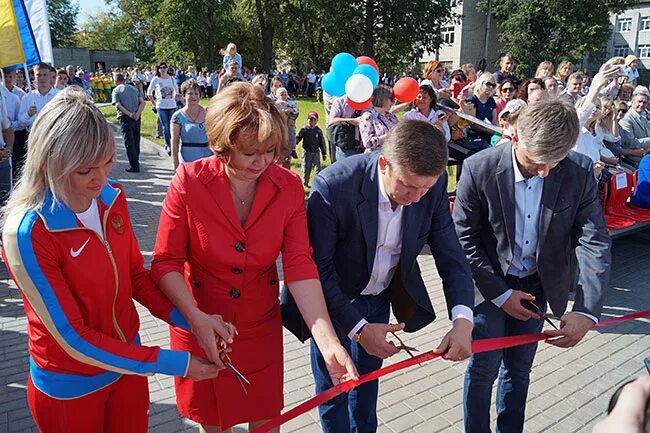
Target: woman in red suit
[(224, 222)]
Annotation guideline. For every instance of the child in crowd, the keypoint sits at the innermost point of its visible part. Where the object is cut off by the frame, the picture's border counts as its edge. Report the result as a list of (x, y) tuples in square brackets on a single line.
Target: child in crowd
[(508, 119), (312, 142), (290, 109)]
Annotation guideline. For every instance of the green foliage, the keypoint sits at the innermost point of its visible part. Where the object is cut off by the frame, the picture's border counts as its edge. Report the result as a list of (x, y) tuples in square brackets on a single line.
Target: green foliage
[(63, 21), (555, 30), (104, 31)]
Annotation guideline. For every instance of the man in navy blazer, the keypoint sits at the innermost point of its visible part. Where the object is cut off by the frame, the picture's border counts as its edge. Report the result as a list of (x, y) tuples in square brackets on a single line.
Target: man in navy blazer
[(369, 216), (523, 210)]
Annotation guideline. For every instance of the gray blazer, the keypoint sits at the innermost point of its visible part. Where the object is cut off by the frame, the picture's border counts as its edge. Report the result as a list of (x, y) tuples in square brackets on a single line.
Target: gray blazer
[(637, 133), (571, 219)]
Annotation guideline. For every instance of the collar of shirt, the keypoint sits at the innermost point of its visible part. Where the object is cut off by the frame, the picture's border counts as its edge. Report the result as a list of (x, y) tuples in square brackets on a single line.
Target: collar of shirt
[(515, 165), (52, 92), (383, 197)]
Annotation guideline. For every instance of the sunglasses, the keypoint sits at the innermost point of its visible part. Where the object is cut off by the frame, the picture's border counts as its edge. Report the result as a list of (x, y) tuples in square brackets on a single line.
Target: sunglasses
[(440, 70), (507, 89), (491, 85), (621, 110)]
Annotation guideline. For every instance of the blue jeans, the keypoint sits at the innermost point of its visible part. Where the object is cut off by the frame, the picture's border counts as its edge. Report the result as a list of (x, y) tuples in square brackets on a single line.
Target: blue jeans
[(192, 153), (512, 366), (165, 115), (356, 411), (344, 153)]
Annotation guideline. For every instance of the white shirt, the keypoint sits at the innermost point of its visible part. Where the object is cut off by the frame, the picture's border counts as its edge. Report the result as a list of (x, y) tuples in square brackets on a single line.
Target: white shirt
[(90, 218), (528, 198), (388, 252), (12, 105), (588, 145), (4, 122), (311, 78), (34, 98), (166, 90), (415, 114), (17, 91)]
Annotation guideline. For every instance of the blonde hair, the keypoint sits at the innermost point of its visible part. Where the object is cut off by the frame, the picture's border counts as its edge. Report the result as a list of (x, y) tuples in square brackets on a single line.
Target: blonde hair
[(231, 49), (481, 80), (242, 110), (69, 133), (431, 66), (544, 65), (559, 68)]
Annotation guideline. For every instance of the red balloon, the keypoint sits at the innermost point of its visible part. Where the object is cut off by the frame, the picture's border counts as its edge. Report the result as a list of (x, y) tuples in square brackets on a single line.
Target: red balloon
[(365, 60), (359, 105), (406, 89)]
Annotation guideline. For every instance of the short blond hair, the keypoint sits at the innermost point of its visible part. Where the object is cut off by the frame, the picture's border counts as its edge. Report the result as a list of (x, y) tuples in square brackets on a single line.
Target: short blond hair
[(242, 110), (548, 129), (69, 133)]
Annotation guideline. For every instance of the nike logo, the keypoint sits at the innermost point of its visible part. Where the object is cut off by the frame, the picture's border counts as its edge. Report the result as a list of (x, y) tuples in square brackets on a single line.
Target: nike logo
[(75, 253)]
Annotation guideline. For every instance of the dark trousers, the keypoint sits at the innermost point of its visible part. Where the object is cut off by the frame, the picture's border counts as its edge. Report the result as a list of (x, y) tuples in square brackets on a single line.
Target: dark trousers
[(512, 366), (356, 411), (19, 153), (131, 134), (5, 181)]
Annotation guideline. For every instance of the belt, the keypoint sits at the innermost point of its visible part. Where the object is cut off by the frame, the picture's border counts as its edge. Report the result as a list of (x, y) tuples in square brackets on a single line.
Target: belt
[(184, 144)]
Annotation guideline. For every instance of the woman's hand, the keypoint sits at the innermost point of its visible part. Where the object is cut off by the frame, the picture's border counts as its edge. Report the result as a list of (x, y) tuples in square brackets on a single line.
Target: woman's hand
[(209, 330), (201, 369), (338, 363)]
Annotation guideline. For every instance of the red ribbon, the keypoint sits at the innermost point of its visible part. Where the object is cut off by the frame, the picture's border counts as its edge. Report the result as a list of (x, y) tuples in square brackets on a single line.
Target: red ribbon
[(478, 346)]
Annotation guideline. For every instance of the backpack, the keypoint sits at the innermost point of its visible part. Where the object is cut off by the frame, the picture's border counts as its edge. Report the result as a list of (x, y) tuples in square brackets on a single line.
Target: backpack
[(343, 135)]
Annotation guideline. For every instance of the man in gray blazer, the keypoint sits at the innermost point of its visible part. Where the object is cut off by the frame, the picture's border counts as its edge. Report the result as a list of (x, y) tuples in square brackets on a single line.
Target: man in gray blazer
[(637, 128), (522, 211)]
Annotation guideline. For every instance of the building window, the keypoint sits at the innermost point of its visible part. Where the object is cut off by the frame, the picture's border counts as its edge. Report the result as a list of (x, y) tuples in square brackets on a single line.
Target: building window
[(448, 34), (624, 25), (644, 51), (644, 24), (621, 50)]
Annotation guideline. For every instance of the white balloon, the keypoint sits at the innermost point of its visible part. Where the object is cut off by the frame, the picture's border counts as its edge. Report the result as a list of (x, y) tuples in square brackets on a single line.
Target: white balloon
[(358, 88)]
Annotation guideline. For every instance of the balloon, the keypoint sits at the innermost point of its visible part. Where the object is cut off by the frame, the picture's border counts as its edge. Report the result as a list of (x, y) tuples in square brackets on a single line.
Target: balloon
[(365, 60), (343, 65), (406, 89), (359, 88), (359, 105), (333, 85), (369, 72)]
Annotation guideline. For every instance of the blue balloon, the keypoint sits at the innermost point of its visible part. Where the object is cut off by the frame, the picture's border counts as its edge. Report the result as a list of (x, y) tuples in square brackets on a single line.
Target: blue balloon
[(333, 85), (369, 72), (343, 65)]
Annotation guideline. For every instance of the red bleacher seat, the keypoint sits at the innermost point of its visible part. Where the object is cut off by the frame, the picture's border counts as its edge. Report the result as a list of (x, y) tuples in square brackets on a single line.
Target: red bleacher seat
[(620, 190)]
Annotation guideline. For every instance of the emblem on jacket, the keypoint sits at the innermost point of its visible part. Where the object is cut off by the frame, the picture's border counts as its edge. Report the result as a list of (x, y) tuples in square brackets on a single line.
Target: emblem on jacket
[(118, 223)]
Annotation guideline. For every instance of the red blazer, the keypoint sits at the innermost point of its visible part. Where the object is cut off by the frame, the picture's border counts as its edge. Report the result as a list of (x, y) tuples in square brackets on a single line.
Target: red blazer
[(231, 269)]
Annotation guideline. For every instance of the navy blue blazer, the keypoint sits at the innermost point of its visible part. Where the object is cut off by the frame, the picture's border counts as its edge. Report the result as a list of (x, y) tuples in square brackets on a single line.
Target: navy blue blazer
[(342, 217)]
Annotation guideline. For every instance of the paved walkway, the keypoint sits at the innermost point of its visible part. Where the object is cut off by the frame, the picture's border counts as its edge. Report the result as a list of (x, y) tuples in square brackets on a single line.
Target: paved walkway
[(569, 390)]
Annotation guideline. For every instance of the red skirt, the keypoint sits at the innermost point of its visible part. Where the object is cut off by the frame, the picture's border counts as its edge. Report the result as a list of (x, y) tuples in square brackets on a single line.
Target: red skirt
[(257, 353)]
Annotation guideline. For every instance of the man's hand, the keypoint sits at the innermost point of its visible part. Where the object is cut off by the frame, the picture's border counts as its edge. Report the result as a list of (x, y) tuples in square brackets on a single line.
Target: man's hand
[(201, 369), (629, 412), (573, 327), (354, 121), (514, 308), (135, 115), (338, 362), (209, 330), (32, 110), (373, 339), (457, 344), (5, 154)]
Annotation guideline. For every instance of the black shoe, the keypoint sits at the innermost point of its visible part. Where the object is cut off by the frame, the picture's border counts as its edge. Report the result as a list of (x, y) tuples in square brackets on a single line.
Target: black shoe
[(307, 185), (133, 169)]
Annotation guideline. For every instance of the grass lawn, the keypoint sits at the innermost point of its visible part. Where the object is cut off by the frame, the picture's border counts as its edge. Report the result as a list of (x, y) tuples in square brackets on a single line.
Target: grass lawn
[(149, 121)]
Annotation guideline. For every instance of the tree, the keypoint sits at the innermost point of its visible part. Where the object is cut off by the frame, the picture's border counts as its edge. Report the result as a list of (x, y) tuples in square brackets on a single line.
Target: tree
[(63, 21), (104, 31), (534, 31), (394, 32)]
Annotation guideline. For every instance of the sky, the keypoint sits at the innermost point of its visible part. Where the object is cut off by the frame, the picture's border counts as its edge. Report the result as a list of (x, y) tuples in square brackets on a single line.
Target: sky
[(89, 7)]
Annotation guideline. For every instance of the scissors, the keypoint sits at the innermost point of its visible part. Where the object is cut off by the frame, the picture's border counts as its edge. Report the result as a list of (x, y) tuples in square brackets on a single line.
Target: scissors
[(230, 366), (402, 346), (538, 310)]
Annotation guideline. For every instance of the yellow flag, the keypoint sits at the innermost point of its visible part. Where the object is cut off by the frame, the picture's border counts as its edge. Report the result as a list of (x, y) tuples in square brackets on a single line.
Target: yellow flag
[(11, 52)]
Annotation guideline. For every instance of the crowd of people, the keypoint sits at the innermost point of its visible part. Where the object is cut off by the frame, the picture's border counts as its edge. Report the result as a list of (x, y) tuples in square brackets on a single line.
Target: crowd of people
[(527, 228)]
